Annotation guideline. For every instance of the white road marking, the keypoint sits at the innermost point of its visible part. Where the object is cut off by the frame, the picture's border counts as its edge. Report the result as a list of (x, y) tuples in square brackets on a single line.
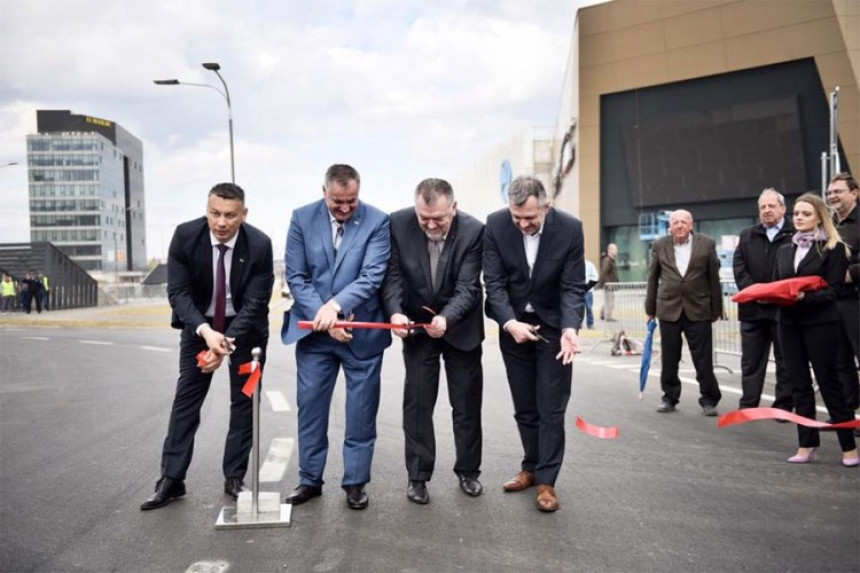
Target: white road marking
[(96, 342), (35, 338), (275, 466), (278, 401), (208, 567), (156, 348)]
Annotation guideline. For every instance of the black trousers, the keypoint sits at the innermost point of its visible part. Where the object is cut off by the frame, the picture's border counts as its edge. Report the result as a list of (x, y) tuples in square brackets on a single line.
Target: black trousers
[(191, 390), (848, 350), (700, 342), (813, 344), (540, 389), (756, 340), (463, 370)]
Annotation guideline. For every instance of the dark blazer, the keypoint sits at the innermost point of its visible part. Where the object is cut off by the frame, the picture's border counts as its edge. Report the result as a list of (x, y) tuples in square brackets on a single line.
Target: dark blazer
[(818, 306), (557, 284), (457, 294), (849, 232), (754, 261), (697, 293), (190, 281)]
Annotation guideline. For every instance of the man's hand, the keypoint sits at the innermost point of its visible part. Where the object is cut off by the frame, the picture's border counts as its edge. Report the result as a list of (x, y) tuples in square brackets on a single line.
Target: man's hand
[(398, 318), (217, 342), (569, 346), (523, 332), (212, 362), (342, 335), (326, 317), (437, 327)]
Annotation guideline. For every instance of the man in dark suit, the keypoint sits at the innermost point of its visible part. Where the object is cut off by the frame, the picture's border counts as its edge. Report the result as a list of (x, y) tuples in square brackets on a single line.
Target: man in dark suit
[(534, 270), (684, 293), (434, 277), (337, 253), (216, 314), (754, 262)]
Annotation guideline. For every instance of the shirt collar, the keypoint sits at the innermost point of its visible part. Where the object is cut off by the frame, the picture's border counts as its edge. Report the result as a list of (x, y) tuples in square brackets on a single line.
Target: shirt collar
[(230, 244)]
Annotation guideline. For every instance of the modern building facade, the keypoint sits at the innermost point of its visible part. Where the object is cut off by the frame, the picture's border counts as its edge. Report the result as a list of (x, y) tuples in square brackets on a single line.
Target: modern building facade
[(87, 191)]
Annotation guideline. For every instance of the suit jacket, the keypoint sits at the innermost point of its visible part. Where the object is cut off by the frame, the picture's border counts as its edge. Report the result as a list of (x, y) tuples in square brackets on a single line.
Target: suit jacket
[(190, 282), (817, 306), (698, 293), (754, 261), (353, 279), (457, 294), (557, 283)]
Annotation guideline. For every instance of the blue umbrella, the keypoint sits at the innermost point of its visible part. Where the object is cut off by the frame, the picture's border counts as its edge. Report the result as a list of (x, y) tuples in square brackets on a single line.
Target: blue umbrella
[(646, 356)]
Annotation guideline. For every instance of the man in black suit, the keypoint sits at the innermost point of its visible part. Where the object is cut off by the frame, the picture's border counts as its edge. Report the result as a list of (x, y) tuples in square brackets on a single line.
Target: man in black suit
[(534, 270), (219, 283), (684, 293), (754, 262), (434, 277)]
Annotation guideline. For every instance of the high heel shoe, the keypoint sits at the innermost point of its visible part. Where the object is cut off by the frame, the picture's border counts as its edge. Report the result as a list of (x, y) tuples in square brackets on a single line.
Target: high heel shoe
[(851, 462), (801, 459)]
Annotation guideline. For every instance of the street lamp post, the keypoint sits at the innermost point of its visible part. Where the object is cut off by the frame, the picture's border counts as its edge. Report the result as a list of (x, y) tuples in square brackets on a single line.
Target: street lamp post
[(212, 66), (11, 163)]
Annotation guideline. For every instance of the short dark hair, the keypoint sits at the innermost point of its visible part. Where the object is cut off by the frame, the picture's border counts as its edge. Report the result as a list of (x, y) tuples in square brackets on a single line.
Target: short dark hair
[(845, 176), (342, 174), (431, 189), (228, 191), (526, 186)]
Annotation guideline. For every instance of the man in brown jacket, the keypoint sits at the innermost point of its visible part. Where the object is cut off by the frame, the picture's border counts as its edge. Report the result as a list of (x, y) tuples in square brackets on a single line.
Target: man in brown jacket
[(684, 294)]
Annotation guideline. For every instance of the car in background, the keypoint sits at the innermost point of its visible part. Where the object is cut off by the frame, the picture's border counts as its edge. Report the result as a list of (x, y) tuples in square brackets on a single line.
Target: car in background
[(727, 273)]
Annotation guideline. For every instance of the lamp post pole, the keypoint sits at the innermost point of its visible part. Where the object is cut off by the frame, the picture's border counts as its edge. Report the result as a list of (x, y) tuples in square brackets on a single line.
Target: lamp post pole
[(212, 66)]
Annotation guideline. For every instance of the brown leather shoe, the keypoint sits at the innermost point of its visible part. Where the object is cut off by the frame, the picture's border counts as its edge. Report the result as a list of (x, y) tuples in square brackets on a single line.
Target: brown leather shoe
[(523, 480), (546, 498)]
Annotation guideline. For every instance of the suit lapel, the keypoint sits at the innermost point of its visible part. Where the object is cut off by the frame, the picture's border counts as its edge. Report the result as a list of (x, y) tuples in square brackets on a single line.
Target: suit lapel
[(350, 233), (239, 264), (417, 248), (204, 257), (444, 258), (323, 227), (546, 241), (515, 240)]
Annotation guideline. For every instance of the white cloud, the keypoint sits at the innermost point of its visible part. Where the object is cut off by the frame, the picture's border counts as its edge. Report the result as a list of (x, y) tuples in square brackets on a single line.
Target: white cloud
[(402, 90)]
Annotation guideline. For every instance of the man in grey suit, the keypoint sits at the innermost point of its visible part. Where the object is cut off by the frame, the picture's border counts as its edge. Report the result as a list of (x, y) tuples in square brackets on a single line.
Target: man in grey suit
[(684, 293), (434, 276)]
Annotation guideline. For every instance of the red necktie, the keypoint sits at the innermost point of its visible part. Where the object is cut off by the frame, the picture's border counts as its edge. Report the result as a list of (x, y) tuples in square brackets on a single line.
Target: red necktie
[(220, 291)]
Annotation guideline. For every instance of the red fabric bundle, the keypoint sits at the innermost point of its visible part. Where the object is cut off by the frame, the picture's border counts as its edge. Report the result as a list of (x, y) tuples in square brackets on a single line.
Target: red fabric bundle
[(783, 293)]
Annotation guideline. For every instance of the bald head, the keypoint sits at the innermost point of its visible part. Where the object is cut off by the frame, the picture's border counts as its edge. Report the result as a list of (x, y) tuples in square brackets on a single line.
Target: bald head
[(680, 225)]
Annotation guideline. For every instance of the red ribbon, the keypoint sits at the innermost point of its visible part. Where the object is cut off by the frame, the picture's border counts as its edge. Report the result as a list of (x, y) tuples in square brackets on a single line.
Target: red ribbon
[(308, 325), (755, 414), (603, 432), (255, 371)]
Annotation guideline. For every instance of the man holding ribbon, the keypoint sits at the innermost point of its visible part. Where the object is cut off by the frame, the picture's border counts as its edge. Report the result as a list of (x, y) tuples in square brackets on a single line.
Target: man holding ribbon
[(219, 283), (337, 253), (434, 278)]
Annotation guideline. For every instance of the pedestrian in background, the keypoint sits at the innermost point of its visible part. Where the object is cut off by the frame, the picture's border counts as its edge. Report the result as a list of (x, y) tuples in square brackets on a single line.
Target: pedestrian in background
[(591, 279), (9, 292), (809, 331), (754, 262), (608, 274)]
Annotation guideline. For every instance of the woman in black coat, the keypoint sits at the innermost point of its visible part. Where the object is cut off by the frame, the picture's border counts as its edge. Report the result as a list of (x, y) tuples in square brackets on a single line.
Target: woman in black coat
[(808, 331)]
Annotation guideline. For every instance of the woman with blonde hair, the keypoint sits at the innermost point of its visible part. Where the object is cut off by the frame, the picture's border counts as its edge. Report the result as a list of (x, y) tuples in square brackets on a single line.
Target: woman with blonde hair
[(808, 331)]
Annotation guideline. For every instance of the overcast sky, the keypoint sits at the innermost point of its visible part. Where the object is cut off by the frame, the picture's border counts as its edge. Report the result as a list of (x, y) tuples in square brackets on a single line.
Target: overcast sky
[(401, 90)]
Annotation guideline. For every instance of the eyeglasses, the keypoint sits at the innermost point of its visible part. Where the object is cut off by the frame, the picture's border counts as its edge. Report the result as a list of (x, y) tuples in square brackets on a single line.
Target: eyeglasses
[(830, 192)]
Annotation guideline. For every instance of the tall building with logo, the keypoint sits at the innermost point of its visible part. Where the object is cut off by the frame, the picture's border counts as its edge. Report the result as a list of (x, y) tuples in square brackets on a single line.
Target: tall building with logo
[(86, 191)]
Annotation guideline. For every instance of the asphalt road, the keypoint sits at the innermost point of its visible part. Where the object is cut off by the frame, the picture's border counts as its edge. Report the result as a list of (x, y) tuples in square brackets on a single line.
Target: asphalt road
[(83, 413)]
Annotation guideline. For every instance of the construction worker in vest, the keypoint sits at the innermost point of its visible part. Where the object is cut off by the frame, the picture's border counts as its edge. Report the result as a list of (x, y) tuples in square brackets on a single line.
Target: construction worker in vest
[(8, 292), (46, 292)]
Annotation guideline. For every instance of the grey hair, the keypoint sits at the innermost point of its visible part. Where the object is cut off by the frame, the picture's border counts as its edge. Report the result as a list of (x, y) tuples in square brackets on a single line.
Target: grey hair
[(526, 186), (430, 190), (772, 191)]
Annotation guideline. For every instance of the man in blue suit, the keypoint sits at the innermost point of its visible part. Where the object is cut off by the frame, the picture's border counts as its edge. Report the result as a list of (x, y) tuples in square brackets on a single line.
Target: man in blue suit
[(337, 254)]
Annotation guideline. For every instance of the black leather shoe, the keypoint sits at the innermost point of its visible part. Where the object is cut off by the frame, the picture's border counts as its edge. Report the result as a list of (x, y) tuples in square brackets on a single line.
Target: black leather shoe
[(303, 493), (233, 487), (709, 410), (417, 492), (356, 498), (166, 490), (470, 485), (666, 407)]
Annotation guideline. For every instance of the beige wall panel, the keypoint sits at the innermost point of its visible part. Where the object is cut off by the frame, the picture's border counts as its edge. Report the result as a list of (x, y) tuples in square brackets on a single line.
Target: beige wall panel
[(695, 61), (743, 18), (589, 111), (784, 44), (640, 72), (846, 7), (694, 28), (850, 26), (835, 70), (596, 80), (621, 44), (616, 15), (589, 139)]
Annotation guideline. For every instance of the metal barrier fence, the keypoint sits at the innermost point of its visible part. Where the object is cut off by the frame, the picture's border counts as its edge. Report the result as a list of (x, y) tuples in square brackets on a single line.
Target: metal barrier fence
[(628, 314)]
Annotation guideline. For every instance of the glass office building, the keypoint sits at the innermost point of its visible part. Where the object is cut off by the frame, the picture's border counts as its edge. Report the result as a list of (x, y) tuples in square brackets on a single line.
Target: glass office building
[(86, 191)]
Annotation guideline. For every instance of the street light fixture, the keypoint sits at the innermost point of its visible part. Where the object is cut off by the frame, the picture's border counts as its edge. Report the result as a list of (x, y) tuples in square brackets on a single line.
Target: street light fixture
[(9, 164), (212, 66)]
